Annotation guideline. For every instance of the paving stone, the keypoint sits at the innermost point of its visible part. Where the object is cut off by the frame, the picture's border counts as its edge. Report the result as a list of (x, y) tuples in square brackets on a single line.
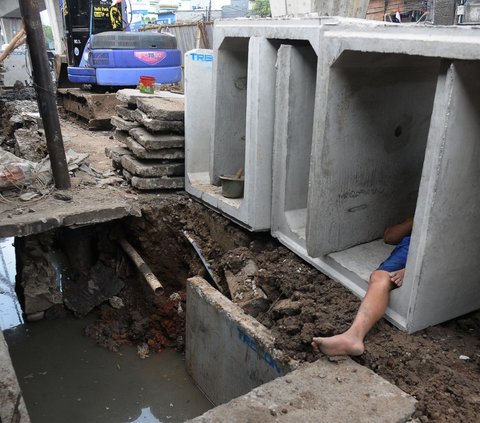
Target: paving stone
[(152, 168), (157, 125), (162, 108), (122, 124), (158, 183), (165, 153), (151, 141), (125, 112)]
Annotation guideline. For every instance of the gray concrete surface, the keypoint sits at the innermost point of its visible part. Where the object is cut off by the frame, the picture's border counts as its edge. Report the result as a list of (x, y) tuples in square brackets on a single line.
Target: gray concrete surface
[(295, 98), (155, 142), (142, 153), (12, 404), (228, 352), (198, 114), (86, 207), (441, 281), (360, 194), (152, 168), (320, 392)]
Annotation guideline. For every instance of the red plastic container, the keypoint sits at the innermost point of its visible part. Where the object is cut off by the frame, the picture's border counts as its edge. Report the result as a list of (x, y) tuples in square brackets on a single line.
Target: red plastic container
[(147, 84)]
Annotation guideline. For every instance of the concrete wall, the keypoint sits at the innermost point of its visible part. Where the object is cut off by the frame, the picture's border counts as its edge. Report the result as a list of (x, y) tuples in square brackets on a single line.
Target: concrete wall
[(372, 145), (228, 353), (198, 112), (294, 100), (442, 271)]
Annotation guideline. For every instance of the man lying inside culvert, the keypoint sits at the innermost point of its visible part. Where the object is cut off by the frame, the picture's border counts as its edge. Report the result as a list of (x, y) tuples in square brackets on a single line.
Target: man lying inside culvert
[(389, 275)]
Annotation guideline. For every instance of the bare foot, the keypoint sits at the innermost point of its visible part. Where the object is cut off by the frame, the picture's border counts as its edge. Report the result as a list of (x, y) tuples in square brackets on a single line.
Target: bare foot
[(343, 344)]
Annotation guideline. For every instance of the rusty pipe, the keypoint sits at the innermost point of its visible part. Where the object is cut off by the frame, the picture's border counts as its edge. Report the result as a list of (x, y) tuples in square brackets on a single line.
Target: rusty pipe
[(142, 267)]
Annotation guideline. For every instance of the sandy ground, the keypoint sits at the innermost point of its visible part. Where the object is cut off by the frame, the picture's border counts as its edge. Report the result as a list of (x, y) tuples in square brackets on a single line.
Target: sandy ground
[(426, 365)]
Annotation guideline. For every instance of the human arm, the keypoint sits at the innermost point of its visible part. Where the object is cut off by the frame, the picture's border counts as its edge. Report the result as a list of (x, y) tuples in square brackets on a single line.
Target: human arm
[(394, 234)]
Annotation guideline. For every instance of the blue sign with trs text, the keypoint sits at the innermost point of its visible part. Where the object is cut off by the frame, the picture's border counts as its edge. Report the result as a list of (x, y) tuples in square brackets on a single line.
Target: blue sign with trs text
[(200, 57)]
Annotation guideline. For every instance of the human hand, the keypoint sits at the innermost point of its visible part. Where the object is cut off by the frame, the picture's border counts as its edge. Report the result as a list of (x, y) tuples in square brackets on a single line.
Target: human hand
[(397, 277)]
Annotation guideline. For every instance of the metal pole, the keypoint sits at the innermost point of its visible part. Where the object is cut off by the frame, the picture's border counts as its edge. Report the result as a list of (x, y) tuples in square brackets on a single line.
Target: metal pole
[(45, 95)]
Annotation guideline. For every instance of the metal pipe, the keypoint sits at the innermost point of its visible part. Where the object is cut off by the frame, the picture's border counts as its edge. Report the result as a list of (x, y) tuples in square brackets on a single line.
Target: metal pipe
[(142, 267), (47, 104)]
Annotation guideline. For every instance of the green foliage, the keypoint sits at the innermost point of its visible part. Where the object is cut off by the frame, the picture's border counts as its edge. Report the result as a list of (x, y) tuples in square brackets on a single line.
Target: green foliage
[(261, 8)]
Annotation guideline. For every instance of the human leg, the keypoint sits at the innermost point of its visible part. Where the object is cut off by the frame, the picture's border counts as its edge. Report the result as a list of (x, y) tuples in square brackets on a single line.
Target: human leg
[(370, 312)]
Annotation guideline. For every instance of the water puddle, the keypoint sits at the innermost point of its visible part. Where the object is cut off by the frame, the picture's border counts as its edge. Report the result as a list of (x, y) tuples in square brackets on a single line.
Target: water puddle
[(65, 377), (10, 311)]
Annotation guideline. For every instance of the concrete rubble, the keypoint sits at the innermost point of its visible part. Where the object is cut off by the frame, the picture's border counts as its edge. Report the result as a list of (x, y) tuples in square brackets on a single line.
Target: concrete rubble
[(151, 127)]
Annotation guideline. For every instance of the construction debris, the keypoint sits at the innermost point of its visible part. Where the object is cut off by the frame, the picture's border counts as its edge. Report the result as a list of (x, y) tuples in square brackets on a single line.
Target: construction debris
[(151, 127)]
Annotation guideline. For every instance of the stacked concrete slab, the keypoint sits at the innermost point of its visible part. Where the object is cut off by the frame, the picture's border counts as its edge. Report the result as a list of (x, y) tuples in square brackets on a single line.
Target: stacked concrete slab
[(344, 127), (152, 128)]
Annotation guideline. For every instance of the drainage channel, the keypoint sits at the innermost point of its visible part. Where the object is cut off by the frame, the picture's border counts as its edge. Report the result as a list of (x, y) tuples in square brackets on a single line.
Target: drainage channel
[(65, 376)]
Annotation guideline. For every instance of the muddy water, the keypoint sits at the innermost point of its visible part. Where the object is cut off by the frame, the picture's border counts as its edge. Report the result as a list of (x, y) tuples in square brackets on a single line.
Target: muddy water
[(65, 377)]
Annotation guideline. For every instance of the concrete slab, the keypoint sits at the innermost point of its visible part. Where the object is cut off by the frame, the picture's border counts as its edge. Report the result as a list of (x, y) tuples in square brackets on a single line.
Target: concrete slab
[(131, 95), (116, 153), (121, 124), (227, 351), (95, 205), (294, 100), (152, 168), (12, 404), (198, 112), (162, 108), (97, 109), (157, 125), (124, 112), (154, 141), (121, 136), (165, 154), (165, 182), (319, 392)]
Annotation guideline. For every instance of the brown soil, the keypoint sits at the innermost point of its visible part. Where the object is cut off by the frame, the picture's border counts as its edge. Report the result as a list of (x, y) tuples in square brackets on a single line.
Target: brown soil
[(425, 364)]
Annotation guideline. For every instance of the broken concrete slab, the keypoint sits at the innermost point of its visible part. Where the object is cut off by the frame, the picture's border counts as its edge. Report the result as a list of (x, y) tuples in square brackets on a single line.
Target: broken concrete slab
[(97, 109), (12, 404), (166, 153), (157, 125), (163, 108), (156, 141), (122, 124), (125, 112), (152, 168), (121, 136), (319, 392), (130, 96), (116, 154), (165, 182), (50, 213)]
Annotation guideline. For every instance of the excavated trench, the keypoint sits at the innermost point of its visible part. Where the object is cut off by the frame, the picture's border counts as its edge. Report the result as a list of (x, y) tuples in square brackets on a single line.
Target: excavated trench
[(293, 300)]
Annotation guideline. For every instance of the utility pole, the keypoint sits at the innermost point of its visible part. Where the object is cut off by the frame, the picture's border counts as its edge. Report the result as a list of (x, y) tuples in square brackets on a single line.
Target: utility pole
[(45, 95)]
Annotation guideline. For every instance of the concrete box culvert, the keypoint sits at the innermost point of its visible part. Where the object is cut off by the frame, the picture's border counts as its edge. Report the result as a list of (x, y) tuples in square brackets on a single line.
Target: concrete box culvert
[(382, 150)]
